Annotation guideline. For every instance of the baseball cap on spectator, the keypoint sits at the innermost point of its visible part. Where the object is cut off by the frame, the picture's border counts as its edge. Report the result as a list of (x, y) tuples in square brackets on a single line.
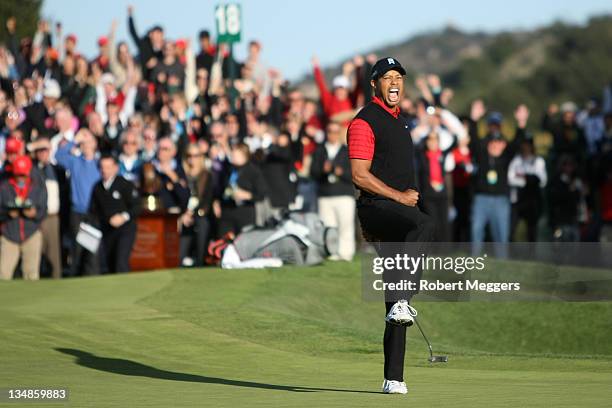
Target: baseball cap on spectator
[(71, 37), (21, 166), (102, 41), (181, 43), (495, 118), (341, 81), (51, 89), (52, 54), (157, 27), (13, 146), (107, 78), (568, 106), (495, 136), (384, 65), (204, 34)]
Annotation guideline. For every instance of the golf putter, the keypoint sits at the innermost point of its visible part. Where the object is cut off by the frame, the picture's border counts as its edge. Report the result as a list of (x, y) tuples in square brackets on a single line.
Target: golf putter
[(432, 358)]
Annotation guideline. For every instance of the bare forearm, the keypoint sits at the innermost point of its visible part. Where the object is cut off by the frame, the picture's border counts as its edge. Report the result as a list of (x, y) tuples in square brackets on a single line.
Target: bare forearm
[(369, 182)]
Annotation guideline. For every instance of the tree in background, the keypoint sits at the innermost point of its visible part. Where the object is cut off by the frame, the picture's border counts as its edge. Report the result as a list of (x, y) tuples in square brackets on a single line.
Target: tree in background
[(26, 12)]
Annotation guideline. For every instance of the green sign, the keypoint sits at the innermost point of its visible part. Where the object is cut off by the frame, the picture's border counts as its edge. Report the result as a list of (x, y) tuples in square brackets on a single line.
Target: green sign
[(229, 23)]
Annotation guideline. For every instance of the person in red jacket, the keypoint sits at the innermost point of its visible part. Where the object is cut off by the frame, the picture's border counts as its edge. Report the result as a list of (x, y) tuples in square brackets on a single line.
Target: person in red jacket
[(339, 103), (23, 206)]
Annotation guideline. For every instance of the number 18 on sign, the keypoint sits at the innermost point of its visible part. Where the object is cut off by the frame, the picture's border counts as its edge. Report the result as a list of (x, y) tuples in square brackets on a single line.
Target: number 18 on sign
[(229, 23)]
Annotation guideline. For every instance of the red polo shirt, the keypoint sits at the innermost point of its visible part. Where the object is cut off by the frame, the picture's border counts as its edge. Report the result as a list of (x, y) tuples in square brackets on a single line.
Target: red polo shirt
[(360, 137)]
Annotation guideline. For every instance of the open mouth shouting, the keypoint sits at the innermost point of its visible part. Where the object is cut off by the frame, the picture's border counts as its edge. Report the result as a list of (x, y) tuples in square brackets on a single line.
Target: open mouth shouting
[(393, 95)]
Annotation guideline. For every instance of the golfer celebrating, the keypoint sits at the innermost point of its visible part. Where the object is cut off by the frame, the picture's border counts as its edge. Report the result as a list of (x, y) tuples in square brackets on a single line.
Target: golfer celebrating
[(382, 160)]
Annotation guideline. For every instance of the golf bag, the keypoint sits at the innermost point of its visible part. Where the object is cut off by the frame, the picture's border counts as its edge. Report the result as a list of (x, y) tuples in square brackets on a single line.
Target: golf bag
[(295, 238)]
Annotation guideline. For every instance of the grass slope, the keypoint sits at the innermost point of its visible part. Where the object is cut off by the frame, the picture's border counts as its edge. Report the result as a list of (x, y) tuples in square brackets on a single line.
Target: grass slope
[(289, 337)]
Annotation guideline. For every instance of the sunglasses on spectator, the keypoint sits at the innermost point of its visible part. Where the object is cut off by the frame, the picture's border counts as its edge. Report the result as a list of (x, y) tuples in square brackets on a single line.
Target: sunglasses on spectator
[(192, 155)]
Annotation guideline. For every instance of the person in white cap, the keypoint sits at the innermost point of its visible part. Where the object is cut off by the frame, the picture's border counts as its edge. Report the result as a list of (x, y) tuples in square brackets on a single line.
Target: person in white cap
[(51, 89), (121, 99), (338, 104), (37, 113)]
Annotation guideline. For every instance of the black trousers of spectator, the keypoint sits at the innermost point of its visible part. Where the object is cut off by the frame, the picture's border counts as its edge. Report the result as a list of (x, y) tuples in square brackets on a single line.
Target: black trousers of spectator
[(117, 246), (436, 206), (387, 224), (462, 201), (194, 239), (530, 212), (83, 262), (236, 218)]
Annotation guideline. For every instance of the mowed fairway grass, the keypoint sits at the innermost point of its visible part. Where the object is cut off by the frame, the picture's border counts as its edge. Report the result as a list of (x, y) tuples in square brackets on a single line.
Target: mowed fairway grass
[(290, 337)]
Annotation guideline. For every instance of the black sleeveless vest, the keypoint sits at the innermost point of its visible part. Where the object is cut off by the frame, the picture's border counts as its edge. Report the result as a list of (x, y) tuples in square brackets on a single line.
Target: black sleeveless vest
[(393, 161)]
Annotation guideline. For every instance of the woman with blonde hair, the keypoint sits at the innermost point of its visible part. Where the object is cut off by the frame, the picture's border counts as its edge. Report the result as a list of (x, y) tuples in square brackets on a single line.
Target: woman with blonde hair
[(195, 222)]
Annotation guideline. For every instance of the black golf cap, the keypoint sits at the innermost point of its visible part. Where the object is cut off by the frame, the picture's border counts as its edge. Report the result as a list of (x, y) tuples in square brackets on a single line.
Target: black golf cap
[(386, 64)]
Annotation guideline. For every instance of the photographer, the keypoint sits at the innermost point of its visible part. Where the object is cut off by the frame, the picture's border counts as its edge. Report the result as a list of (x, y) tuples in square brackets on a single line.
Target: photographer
[(23, 206), (174, 193), (244, 187)]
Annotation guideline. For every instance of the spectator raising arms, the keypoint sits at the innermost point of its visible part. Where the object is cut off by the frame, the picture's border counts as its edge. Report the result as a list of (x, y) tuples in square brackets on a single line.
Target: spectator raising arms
[(223, 152), (492, 156), (338, 104), (79, 158)]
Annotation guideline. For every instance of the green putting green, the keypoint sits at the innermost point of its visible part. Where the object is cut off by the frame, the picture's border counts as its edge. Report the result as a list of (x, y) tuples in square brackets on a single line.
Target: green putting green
[(289, 337)]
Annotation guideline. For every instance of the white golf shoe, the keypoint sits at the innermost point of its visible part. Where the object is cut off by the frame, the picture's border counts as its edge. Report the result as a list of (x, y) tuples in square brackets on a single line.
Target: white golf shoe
[(394, 387), (401, 313)]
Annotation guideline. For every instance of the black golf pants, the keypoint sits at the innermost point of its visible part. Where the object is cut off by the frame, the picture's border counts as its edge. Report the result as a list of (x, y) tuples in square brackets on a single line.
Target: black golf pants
[(388, 224)]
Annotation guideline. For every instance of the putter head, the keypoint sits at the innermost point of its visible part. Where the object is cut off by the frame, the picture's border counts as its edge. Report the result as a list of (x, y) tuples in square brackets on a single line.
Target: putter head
[(438, 359)]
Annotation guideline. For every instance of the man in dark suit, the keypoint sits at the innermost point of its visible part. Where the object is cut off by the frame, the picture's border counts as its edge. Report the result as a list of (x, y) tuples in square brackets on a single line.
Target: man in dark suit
[(115, 204)]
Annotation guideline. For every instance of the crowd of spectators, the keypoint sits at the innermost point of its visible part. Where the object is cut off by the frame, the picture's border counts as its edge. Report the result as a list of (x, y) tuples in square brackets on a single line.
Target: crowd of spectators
[(85, 140)]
